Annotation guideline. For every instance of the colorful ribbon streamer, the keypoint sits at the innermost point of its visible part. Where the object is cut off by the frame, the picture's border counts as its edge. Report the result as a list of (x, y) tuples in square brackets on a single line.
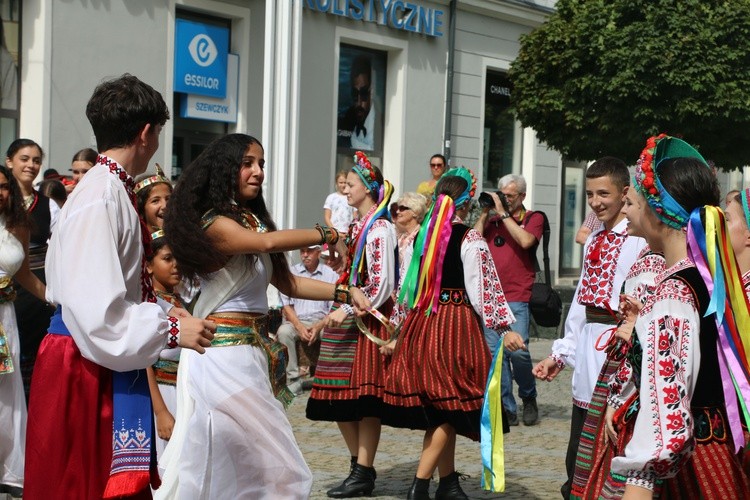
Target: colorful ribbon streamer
[(491, 431), (710, 248)]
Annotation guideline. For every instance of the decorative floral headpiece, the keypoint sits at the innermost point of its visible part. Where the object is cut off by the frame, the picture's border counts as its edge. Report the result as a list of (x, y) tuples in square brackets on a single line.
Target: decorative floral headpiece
[(364, 170), (646, 178), (154, 179)]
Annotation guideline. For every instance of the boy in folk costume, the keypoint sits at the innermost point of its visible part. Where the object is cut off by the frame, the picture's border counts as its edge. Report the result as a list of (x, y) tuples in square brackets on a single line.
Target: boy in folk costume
[(608, 255), (90, 430)]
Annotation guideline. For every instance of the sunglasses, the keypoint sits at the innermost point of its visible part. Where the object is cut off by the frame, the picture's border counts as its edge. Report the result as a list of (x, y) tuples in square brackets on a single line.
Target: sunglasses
[(436, 165), (402, 208), (362, 94)]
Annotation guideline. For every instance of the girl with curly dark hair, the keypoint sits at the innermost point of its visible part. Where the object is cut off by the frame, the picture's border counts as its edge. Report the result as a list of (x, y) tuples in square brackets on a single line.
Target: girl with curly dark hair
[(14, 264), (231, 433)]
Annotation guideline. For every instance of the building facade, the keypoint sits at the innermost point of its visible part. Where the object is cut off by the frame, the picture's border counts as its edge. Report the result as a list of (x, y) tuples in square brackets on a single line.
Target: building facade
[(313, 80)]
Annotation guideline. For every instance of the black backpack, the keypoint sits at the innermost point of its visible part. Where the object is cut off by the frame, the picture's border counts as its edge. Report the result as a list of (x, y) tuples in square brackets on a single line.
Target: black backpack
[(545, 304)]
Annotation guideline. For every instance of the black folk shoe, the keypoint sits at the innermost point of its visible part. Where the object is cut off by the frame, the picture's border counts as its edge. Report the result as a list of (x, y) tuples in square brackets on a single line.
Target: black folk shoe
[(448, 488), (420, 490), (361, 482)]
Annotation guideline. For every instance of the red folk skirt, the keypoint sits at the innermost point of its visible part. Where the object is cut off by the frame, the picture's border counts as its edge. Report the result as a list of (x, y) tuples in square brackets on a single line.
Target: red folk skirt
[(350, 376), (439, 371), (69, 432), (712, 471)]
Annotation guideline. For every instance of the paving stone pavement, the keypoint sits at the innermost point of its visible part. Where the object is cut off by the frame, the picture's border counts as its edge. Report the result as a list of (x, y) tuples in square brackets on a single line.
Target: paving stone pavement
[(534, 456)]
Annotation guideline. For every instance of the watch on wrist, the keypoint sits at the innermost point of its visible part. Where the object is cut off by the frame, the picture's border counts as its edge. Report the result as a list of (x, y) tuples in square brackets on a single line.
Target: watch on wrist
[(505, 216)]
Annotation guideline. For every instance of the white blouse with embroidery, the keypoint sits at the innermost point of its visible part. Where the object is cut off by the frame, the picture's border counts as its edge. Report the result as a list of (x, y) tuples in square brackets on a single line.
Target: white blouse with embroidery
[(640, 283), (483, 285), (669, 328)]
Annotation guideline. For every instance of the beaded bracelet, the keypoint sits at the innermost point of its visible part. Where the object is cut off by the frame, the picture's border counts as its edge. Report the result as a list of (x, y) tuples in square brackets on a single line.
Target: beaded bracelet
[(342, 294), (328, 234)]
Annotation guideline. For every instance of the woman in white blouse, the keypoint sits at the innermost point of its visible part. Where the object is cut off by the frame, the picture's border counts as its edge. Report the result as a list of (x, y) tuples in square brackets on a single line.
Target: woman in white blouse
[(14, 264)]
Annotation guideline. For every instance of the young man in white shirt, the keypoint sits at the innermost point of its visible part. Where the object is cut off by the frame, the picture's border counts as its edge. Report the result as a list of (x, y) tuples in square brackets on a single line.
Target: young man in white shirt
[(89, 430)]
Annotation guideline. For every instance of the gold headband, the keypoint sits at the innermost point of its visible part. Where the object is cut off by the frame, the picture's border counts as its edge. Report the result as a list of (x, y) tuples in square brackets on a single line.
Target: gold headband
[(154, 179)]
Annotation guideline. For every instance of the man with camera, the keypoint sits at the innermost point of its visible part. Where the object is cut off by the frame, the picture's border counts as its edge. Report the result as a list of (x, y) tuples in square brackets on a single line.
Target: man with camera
[(513, 234)]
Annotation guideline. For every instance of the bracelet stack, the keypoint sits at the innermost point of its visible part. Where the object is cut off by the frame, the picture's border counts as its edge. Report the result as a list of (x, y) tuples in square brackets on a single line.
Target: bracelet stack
[(342, 295), (328, 234)]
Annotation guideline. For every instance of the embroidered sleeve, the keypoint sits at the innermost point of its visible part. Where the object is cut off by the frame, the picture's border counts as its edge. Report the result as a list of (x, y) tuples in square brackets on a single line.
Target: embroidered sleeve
[(641, 278), (381, 263), (663, 436), (482, 284), (621, 385), (173, 332)]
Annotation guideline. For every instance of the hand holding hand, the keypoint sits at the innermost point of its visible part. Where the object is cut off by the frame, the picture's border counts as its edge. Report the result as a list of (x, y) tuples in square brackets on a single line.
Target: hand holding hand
[(196, 333), (546, 369)]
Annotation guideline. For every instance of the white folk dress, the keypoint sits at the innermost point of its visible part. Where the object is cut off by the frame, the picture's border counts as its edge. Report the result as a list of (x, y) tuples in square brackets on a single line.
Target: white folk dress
[(232, 438), (12, 399)]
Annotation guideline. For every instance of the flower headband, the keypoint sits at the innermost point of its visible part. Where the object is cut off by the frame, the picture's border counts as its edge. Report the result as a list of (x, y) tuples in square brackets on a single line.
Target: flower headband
[(364, 170), (646, 178), (154, 179), (471, 184)]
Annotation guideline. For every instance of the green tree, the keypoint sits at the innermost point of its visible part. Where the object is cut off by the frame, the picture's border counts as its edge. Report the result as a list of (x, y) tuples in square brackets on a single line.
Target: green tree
[(599, 77)]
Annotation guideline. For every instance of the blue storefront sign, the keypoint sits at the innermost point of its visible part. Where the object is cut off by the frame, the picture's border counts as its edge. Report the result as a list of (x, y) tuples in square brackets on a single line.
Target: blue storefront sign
[(200, 58), (215, 108)]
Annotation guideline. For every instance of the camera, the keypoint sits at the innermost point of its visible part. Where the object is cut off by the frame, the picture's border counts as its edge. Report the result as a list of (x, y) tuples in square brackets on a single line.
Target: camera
[(485, 200)]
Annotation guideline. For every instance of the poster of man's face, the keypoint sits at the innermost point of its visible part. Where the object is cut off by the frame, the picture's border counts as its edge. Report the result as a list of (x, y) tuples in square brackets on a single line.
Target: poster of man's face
[(361, 99)]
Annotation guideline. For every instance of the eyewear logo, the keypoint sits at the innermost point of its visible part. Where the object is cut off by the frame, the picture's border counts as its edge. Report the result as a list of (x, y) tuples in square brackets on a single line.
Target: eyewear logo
[(203, 50)]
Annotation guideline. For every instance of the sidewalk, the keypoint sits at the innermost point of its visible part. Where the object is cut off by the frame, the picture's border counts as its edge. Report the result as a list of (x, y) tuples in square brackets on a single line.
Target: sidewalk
[(534, 456)]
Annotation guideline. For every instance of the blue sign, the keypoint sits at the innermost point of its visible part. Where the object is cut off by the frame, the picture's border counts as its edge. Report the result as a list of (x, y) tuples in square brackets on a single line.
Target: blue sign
[(399, 14), (215, 108), (200, 58)]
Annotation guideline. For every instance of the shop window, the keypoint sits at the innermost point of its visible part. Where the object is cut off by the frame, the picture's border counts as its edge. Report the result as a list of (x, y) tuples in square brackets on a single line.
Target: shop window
[(501, 143), (571, 217), (191, 135), (361, 104), (10, 85)]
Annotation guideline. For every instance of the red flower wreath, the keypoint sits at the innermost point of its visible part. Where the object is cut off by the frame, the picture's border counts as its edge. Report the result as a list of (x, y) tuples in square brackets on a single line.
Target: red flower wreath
[(646, 165), (363, 163)]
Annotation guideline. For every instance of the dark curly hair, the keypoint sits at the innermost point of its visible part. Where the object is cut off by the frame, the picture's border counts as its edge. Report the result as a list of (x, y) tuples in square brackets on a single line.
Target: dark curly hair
[(15, 215), (210, 182)]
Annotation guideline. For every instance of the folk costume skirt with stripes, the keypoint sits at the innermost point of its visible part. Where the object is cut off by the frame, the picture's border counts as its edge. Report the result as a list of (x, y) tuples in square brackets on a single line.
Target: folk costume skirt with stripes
[(595, 451), (439, 371), (350, 376), (713, 470)]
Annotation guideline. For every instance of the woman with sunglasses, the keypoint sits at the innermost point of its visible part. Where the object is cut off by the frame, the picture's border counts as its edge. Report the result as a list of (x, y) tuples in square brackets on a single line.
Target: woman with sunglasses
[(437, 169)]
